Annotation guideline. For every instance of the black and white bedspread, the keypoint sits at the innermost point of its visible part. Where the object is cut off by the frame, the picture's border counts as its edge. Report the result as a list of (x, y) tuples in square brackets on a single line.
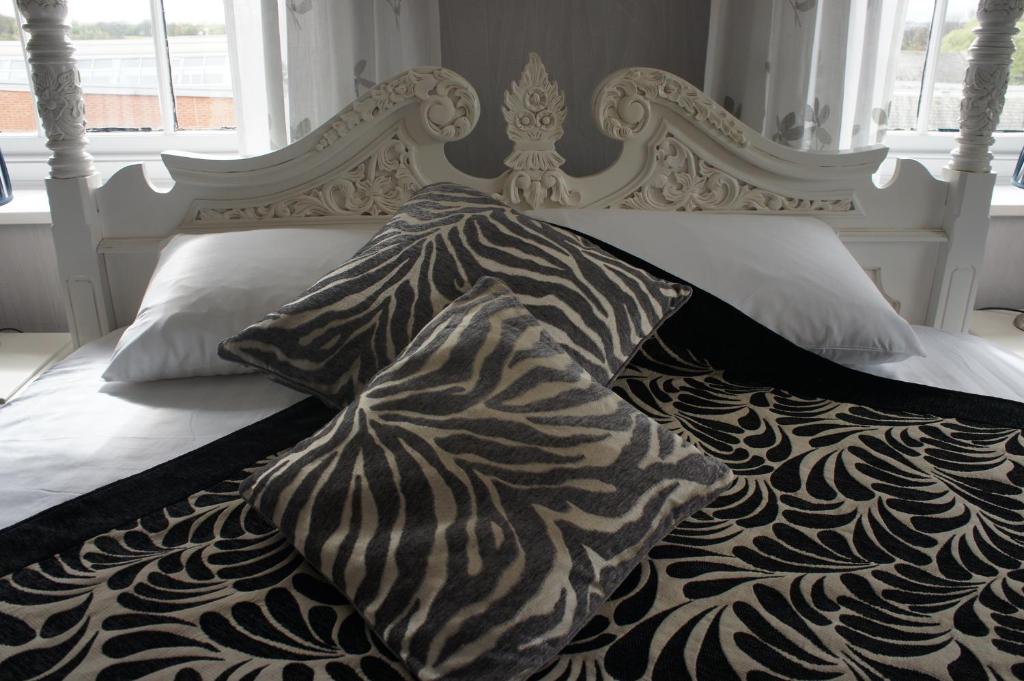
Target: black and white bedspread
[(875, 531)]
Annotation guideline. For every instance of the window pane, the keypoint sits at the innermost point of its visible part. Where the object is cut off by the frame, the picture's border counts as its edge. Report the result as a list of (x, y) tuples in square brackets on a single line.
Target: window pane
[(16, 103), (114, 45), (200, 70), (906, 96), (957, 37)]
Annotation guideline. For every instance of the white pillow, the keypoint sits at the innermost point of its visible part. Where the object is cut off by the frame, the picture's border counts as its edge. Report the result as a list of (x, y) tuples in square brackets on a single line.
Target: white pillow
[(207, 287), (792, 274)]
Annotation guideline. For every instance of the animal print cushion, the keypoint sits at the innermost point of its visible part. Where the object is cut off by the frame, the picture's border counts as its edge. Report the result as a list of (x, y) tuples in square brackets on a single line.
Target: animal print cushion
[(483, 495), (355, 320)]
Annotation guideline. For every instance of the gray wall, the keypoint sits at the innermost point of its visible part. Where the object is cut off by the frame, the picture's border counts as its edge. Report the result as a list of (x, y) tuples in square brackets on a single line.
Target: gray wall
[(1002, 276), (30, 297), (580, 42)]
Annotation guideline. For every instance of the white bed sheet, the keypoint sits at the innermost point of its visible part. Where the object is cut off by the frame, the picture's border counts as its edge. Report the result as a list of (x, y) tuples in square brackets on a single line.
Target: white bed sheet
[(70, 432), (958, 362)]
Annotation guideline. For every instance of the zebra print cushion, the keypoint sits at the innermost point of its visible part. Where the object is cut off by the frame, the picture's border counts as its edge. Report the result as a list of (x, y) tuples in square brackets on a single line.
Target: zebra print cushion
[(355, 320), (483, 495)]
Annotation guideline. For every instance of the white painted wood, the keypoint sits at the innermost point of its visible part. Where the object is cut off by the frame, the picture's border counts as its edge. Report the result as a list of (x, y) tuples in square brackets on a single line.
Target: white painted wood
[(28, 207), (165, 87), (23, 356), (921, 237), (58, 86), (988, 69), (76, 230), (273, 73), (931, 63), (1007, 201)]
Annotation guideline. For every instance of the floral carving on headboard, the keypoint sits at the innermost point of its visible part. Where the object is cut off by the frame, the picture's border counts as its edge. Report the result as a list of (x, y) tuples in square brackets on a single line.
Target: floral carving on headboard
[(534, 115), (449, 106), (623, 105), (374, 187), (682, 181)]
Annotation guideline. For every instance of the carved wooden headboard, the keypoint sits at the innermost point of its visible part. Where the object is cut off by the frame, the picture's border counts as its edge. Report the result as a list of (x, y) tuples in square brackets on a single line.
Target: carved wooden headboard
[(921, 238), (682, 152)]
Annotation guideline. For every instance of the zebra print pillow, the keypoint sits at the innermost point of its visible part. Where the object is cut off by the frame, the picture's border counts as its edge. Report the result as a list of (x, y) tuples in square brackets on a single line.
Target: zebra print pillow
[(483, 495), (355, 320)]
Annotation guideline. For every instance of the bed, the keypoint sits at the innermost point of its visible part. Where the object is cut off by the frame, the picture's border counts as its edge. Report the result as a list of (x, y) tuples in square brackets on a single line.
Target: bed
[(873, 528)]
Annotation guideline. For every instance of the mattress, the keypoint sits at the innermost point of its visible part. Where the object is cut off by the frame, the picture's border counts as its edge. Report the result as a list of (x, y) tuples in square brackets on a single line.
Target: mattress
[(964, 363), (874, 532), (69, 432)]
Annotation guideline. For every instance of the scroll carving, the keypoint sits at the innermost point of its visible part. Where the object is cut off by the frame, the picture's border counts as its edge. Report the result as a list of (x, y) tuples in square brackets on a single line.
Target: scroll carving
[(58, 87), (622, 106), (534, 117), (682, 181), (985, 81), (377, 186), (449, 106)]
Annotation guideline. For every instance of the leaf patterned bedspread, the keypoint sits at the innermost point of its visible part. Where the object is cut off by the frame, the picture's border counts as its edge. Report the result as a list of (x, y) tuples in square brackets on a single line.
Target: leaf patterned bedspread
[(856, 543)]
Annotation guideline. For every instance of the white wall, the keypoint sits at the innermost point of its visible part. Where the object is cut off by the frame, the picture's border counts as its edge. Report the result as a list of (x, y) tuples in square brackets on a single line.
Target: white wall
[(30, 298), (1002, 275)]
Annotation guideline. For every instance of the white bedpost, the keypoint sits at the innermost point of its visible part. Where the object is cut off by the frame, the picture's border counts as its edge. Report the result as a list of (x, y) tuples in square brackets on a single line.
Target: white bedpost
[(969, 171), (58, 90)]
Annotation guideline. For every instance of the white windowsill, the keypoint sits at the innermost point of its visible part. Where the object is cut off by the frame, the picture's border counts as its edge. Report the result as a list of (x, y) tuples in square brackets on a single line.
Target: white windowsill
[(1007, 201), (28, 207), (31, 206)]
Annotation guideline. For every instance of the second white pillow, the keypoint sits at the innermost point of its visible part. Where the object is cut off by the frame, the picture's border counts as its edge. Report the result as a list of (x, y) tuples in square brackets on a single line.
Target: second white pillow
[(208, 286), (790, 273)]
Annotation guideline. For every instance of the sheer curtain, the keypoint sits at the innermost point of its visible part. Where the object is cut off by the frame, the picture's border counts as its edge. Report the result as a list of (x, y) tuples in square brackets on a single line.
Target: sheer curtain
[(809, 74), (336, 49)]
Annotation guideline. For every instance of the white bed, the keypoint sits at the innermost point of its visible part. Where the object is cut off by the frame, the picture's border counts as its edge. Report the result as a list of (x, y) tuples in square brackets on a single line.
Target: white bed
[(920, 238), (960, 362), (71, 432)]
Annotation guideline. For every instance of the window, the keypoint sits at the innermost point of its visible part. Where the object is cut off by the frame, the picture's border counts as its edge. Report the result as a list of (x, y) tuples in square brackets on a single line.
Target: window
[(17, 107), (931, 66), (145, 66)]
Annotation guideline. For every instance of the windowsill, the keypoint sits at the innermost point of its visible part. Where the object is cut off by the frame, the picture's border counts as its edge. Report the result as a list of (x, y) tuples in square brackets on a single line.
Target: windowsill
[(32, 207), (28, 207), (1007, 201)]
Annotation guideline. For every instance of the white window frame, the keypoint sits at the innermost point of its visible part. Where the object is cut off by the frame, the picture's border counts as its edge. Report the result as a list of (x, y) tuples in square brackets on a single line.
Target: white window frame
[(932, 147), (27, 154)]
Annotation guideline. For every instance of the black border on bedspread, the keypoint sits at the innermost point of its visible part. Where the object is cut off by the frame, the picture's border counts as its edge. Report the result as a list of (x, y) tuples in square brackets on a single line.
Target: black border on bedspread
[(72, 522), (714, 330), (752, 353)]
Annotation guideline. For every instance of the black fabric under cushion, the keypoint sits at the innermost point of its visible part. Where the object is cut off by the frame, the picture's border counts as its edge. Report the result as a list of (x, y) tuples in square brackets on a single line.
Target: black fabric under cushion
[(355, 320), (483, 495), (751, 352)]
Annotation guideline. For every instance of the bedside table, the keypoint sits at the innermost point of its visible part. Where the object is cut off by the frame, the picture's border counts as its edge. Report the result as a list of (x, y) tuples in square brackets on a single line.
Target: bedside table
[(996, 326), (23, 356)]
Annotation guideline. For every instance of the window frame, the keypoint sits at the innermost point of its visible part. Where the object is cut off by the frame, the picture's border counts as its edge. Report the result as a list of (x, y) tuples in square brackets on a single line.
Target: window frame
[(129, 145), (932, 146)]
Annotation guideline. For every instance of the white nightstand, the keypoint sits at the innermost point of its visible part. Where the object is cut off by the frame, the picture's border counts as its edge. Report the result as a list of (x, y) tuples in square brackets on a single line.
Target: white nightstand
[(996, 326), (23, 356)]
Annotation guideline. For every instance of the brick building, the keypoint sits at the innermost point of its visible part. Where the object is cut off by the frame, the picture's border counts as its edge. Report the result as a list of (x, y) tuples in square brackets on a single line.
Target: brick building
[(119, 78)]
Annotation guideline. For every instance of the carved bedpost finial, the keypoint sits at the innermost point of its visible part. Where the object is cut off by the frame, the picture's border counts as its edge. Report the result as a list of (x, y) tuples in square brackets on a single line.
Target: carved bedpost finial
[(58, 86), (988, 68), (534, 115)]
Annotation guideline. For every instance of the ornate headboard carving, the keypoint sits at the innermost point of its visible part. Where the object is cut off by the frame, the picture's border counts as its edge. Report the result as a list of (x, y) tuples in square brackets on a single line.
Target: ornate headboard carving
[(622, 105), (449, 106), (681, 152), (534, 114)]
